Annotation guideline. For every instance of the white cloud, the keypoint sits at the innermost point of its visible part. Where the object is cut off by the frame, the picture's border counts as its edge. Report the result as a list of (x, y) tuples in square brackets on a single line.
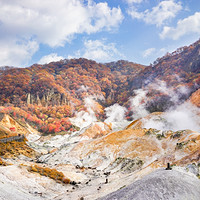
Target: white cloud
[(135, 14), (99, 51), (101, 16), (12, 53), (148, 52), (53, 57), (53, 22), (133, 1), (188, 25), (159, 14)]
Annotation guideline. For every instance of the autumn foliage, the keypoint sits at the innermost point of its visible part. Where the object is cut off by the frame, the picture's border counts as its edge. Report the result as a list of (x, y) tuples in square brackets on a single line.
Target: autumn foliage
[(50, 119), (14, 149), (46, 96), (2, 162), (51, 173)]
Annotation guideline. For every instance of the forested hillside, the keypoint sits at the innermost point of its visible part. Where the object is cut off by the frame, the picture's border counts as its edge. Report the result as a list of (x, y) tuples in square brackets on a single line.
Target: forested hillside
[(47, 95)]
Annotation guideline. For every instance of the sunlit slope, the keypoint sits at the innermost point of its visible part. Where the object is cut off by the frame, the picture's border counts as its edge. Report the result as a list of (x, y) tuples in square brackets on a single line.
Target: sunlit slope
[(134, 144)]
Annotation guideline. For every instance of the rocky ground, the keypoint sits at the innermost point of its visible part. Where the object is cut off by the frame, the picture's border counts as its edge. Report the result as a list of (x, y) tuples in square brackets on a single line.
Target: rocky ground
[(161, 184), (99, 160)]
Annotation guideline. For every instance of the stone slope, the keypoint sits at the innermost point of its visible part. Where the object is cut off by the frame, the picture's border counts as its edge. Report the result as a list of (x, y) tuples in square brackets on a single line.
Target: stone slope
[(128, 150), (102, 160), (162, 185)]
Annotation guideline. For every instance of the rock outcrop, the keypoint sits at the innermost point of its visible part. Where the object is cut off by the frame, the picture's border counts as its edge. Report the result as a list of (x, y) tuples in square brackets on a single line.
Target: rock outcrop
[(11, 127)]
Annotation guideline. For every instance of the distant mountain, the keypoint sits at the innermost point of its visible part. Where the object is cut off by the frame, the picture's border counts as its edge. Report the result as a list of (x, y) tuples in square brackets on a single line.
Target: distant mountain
[(178, 70), (60, 82), (47, 95), (58, 89), (66, 81), (184, 63)]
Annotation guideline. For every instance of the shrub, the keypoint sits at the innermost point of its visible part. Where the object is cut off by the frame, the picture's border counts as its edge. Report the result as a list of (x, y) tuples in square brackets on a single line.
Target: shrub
[(3, 163), (51, 173), (15, 148)]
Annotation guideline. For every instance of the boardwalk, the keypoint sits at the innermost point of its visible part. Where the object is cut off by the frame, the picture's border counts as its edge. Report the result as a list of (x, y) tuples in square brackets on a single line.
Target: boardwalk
[(18, 138)]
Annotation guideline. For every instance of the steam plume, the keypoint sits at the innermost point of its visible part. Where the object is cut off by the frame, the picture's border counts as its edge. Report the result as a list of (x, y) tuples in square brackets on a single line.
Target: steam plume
[(115, 113)]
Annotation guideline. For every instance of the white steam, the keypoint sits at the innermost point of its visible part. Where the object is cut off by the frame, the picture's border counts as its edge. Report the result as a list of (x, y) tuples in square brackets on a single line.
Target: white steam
[(162, 87), (85, 118), (179, 117), (116, 117), (184, 116), (156, 122), (115, 113), (83, 88), (138, 104)]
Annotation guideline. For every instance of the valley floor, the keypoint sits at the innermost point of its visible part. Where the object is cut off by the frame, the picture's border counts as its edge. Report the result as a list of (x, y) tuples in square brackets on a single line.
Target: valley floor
[(99, 161)]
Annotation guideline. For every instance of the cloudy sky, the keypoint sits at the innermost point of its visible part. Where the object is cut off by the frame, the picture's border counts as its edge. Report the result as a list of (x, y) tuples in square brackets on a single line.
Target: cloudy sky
[(41, 31)]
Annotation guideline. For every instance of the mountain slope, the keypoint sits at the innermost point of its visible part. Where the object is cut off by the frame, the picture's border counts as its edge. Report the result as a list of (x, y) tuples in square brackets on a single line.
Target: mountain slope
[(48, 95), (66, 81), (195, 98), (174, 75), (181, 66)]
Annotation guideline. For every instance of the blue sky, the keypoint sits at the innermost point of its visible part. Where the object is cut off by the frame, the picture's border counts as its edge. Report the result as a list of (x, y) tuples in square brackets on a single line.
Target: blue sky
[(35, 31)]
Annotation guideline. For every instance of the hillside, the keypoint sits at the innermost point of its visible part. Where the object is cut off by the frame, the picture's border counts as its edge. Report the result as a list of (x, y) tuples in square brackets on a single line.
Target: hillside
[(65, 82), (184, 63), (60, 83), (195, 98), (175, 74), (47, 96), (100, 161), (135, 146)]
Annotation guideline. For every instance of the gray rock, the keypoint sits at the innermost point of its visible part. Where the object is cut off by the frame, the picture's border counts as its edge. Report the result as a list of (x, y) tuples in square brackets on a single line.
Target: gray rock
[(193, 169), (160, 185)]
